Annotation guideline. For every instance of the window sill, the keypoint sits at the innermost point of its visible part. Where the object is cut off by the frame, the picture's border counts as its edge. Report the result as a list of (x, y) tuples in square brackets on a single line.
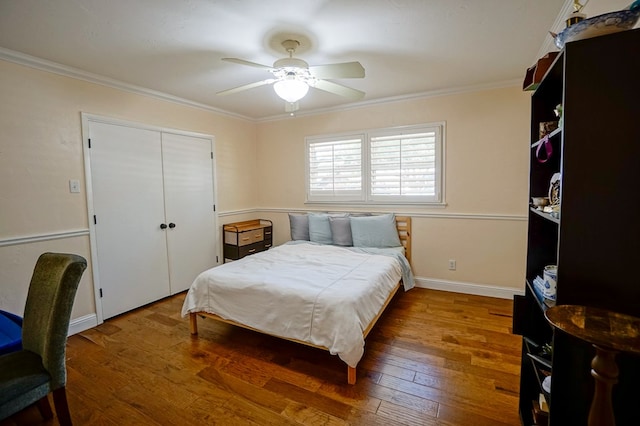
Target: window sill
[(435, 205)]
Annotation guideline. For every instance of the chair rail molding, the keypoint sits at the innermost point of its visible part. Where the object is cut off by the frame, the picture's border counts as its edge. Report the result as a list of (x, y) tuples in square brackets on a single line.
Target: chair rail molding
[(13, 241)]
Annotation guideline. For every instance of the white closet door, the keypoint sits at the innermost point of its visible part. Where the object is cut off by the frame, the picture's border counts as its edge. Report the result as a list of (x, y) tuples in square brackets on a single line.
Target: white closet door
[(188, 189), (128, 200)]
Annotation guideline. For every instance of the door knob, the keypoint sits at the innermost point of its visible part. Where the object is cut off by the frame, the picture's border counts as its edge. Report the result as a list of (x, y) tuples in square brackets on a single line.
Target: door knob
[(172, 225), (163, 226)]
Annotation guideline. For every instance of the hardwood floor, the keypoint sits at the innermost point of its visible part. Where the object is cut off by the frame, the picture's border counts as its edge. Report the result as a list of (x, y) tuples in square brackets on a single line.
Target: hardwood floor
[(434, 358)]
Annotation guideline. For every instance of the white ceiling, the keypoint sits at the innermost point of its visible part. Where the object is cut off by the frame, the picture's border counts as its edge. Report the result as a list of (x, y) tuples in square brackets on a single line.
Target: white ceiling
[(407, 47)]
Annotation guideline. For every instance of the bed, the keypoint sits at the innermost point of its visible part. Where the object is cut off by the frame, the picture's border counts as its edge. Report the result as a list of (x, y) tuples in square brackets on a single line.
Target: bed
[(320, 295)]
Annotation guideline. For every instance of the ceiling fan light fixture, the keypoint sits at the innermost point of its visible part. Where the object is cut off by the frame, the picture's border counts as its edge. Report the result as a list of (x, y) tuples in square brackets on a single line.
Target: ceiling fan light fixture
[(291, 89), (292, 77)]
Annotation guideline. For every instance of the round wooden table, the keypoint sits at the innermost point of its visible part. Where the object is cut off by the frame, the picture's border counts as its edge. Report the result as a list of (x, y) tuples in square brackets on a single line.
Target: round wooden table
[(610, 333)]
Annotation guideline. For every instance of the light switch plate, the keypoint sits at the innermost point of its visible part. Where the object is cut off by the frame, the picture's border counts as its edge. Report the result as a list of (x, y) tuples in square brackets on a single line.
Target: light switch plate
[(74, 185)]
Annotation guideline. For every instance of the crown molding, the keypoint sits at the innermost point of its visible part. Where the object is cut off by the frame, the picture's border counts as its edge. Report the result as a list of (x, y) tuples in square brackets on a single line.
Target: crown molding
[(56, 68)]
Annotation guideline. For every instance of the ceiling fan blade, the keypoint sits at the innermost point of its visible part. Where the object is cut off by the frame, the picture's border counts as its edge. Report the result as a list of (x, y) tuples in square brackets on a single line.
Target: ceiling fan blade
[(342, 70), (246, 87), (339, 89), (243, 62)]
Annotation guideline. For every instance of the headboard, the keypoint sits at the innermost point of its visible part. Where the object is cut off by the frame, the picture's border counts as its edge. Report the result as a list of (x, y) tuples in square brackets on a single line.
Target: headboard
[(403, 225)]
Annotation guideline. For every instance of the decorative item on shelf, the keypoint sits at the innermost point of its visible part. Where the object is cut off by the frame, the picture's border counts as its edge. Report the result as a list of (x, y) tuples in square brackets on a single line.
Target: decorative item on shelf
[(546, 127), (577, 15), (542, 400), (558, 112), (606, 23), (550, 275), (539, 288), (534, 75), (553, 211), (540, 411), (547, 352), (554, 189), (548, 149), (539, 202)]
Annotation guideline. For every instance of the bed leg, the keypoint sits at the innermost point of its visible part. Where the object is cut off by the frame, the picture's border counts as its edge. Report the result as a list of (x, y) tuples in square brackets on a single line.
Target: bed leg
[(193, 323), (351, 375)]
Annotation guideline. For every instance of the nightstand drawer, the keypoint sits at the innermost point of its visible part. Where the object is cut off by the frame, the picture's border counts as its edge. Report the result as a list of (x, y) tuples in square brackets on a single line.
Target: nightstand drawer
[(238, 252), (252, 248), (244, 238)]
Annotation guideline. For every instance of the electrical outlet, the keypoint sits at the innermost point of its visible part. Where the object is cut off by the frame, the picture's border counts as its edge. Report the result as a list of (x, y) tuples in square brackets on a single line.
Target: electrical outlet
[(452, 264)]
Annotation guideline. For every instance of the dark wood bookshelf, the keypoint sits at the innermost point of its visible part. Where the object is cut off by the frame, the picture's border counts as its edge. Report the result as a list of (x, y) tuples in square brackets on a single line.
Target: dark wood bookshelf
[(595, 240)]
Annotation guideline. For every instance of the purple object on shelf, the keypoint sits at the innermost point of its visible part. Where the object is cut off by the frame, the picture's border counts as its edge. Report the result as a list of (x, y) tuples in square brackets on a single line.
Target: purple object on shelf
[(547, 148)]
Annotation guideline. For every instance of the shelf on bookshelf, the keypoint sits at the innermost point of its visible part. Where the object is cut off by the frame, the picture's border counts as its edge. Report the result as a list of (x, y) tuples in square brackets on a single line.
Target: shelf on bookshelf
[(550, 135), (545, 215), (540, 360), (533, 350), (543, 302), (541, 367)]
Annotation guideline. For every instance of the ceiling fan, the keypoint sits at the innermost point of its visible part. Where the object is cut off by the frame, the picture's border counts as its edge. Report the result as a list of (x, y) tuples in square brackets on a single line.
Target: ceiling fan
[(292, 77)]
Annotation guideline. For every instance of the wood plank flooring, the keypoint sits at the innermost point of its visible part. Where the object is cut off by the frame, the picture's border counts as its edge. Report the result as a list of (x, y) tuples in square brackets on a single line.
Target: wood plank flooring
[(434, 358)]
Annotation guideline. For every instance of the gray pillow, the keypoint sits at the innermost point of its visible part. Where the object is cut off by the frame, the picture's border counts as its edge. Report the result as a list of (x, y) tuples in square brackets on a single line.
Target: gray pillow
[(319, 229), (341, 231), (375, 231), (299, 224)]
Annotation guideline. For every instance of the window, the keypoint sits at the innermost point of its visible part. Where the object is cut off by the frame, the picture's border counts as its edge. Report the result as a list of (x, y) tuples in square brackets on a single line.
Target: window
[(398, 165), (335, 169)]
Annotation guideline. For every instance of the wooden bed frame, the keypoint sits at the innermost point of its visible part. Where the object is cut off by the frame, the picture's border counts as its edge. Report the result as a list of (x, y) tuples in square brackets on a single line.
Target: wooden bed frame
[(403, 225)]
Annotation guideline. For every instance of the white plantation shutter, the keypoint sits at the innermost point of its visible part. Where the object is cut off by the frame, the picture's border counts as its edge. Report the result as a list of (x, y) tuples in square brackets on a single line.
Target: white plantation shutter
[(335, 169), (404, 167), (386, 166)]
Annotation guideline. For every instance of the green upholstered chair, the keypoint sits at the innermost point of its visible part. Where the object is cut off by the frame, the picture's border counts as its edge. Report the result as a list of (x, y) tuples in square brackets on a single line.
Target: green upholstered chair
[(29, 375)]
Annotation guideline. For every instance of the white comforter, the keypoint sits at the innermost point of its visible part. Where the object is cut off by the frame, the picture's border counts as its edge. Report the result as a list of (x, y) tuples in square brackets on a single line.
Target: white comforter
[(324, 295)]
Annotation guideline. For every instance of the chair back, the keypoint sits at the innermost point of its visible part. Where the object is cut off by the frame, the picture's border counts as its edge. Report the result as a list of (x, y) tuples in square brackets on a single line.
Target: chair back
[(48, 310)]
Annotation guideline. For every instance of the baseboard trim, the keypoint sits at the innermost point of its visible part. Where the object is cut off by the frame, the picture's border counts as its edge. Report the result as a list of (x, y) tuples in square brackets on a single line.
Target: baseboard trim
[(468, 288), (81, 324), (86, 322)]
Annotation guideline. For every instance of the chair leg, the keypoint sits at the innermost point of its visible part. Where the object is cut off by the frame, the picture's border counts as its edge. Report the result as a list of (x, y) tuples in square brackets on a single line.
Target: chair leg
[(45, 408), (62, 408)]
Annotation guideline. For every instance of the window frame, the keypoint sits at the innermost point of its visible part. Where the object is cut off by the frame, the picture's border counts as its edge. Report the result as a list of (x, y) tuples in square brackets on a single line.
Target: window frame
[(365, 196)]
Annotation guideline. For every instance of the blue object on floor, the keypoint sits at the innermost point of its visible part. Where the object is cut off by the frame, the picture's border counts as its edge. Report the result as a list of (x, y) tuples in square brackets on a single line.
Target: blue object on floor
[(10, 332)]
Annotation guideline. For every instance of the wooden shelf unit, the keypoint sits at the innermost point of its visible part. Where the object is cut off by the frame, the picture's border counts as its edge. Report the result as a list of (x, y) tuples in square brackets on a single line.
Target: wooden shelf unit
[(595, 242)]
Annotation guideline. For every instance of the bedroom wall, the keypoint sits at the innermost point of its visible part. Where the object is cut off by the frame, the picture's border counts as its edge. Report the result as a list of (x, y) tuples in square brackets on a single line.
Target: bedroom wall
[(483, 226), (41, 149)]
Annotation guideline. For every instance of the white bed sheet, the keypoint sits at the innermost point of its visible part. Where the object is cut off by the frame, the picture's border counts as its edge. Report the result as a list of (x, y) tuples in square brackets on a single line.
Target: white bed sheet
[(320, 294)]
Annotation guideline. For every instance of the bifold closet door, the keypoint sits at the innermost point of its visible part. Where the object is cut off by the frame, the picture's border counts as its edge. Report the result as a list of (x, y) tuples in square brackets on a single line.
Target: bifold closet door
[(188, 191), (128, 200)]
